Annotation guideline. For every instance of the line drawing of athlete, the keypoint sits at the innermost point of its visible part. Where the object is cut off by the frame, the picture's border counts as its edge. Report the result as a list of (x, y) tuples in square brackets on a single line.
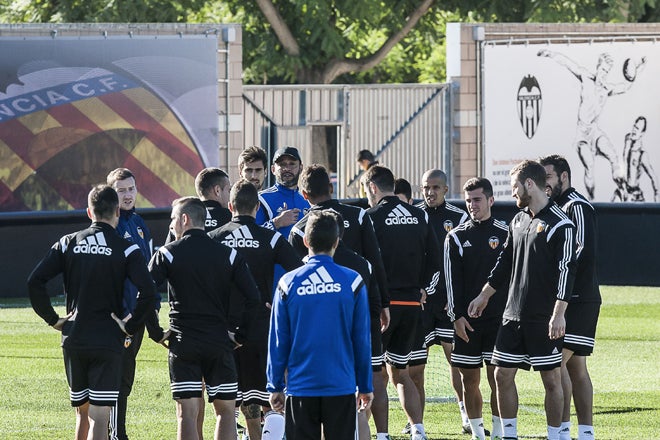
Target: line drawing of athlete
[(590, 140), (637, 161)]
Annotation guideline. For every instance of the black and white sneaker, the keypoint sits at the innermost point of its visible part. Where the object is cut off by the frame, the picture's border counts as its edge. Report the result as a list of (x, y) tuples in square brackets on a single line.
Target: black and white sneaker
[(406, 429)]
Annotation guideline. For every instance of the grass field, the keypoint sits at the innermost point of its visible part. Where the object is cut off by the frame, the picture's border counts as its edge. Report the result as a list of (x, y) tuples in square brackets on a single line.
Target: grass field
[(625, 370)]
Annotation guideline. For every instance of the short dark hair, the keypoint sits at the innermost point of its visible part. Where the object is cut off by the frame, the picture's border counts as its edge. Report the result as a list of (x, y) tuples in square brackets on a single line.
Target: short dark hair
[(381, 176), (479, 182), (402, 186), (103, 201), (365, 155), (559, 163), (250, 154), (193, 208), (208, 178), (118, 174), (243, 197), (315, 181), (529, 169), (321, 231)]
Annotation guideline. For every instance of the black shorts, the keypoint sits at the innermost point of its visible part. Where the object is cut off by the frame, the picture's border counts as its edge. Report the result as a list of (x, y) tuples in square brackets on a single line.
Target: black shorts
[(399, 338), (306, 415), (193, 365), (94, 376), (521, 345), (419, 355), (437, 325), (581, 321), (377, 356), (251, 360), (479, 350)]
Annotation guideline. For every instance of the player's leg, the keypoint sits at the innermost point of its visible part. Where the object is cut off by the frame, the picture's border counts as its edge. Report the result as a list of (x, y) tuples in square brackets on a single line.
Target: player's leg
[(187, 411), (586, 154), (567, 390), (219, 372), (82, 421), (225, 424), (605, 149)]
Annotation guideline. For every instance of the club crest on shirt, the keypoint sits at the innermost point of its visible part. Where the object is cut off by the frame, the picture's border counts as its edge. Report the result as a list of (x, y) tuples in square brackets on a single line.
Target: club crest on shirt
[(493, 242), (540, 227), (449, 225), (140, 232)]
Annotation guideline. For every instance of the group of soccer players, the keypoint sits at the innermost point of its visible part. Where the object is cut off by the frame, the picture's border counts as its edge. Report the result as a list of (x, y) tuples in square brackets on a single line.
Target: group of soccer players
[(517, 296)]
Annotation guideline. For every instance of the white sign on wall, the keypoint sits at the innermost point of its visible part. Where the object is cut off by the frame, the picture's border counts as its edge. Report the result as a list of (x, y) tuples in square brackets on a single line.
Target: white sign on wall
[(597, 104)]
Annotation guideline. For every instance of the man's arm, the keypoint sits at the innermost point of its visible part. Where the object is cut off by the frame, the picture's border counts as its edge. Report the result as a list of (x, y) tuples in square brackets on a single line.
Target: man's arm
[(138, 274), (477, 305), (244, 281), (456, 307), (279, 343), (361, 336), (48, 268), (557, 324), (648, 169), (563, 60)]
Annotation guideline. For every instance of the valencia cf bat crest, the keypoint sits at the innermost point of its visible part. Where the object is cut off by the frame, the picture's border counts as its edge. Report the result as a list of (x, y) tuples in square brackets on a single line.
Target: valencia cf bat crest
[(529, 105), (493, 242)]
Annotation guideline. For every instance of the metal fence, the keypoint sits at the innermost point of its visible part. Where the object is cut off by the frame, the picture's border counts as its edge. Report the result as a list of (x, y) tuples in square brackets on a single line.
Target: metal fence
[(407, 127)]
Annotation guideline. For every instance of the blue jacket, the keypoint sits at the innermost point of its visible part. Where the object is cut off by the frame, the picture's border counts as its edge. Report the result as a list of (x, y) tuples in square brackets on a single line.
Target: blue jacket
[(133, 228), (319, 332), (272, 203)]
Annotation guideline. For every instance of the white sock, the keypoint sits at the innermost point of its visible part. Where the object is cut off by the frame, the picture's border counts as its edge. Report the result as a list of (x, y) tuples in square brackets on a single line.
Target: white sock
[(585, 432), (497, 427), (510, 428), (565, 431), (477, 426), (553, 432), (273, 428), (464, 416), (382, 436), (418, 428)]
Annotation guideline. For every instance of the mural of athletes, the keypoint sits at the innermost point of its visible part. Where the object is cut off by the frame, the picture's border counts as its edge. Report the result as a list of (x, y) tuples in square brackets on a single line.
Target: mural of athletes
[(594, 103), (72, 109)]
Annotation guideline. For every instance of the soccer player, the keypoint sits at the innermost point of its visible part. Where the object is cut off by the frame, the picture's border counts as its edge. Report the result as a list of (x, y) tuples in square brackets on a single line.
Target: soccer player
[(133, 228), (262, 248), (252, 165), (281, 204), (583, 309), (95, 263), (200, 273), (470, 252), (403, 190), (412, 260), (538, 259), (319, 336), (436, 328), (212, 186)]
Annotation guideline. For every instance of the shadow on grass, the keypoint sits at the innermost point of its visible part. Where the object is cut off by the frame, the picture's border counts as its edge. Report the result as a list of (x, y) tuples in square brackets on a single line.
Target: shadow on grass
[(624, 410)]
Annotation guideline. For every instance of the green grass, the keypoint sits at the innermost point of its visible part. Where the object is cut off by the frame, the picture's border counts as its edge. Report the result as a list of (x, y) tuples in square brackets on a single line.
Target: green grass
[(625, 370)]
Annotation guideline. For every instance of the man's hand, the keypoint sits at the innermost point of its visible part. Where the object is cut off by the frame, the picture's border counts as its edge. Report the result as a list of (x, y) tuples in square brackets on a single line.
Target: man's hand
[(60, 322), (120, 323), (364, 401), (557, 326), (384, 319), (286, 218), (460, 327), (544, 53), (277, 401), (232, 338), (165, 340), (477, 305), (422, 299)]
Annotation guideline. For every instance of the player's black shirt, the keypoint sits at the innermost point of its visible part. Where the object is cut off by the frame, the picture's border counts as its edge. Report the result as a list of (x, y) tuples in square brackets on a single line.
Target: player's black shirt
[(411, 254), (216, 215), (200, 273), (582, 213), (539, 259), (443, 218), (359, 236), (262, 248), (471, 251), (94, 263)]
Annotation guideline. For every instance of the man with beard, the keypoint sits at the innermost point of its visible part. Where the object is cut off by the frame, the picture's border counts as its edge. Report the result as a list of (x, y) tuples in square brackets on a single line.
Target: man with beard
[(252, 165), (539, 261), (582, 312), (281, 204)]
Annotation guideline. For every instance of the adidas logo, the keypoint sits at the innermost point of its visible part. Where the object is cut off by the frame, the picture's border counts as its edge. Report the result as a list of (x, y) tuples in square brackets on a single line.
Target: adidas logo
[(555, 351), (318, 282), (467, 244), (94, 245), (400, 216), (210, 221), (127, 235), (241, 238)]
